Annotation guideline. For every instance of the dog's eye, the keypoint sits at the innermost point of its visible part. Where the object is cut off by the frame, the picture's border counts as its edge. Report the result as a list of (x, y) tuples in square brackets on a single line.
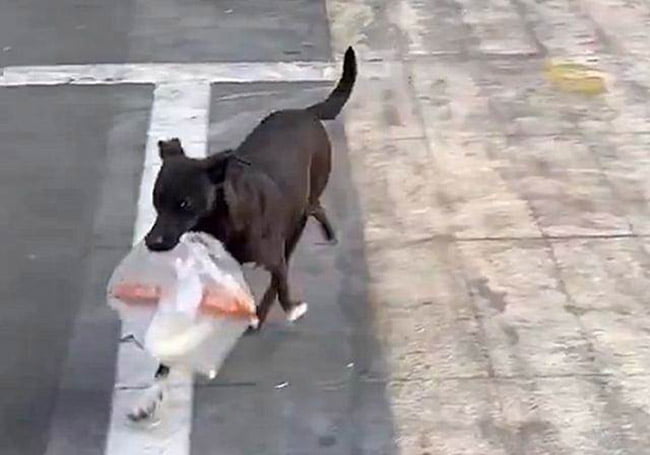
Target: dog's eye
[(185, 205)]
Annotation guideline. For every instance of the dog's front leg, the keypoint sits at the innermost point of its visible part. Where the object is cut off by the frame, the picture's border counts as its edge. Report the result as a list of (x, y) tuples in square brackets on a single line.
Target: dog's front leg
[(152, 397), (265, 304), (293, 309), (278, 287)]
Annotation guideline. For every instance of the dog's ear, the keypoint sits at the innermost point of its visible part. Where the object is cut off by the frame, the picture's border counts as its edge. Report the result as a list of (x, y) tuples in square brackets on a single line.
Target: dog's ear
[(215, 165), (172, 147)]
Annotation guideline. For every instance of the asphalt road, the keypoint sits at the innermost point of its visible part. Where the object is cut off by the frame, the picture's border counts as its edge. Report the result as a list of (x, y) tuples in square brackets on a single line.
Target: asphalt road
[(69, 177)]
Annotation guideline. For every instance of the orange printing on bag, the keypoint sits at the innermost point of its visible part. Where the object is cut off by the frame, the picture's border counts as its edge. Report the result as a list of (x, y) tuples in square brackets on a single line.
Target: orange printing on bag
[(216, 301), (136, 293), (222, 301)]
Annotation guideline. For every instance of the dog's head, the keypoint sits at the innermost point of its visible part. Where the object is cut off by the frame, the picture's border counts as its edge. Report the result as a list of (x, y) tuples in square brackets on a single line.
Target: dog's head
[(184, 192)]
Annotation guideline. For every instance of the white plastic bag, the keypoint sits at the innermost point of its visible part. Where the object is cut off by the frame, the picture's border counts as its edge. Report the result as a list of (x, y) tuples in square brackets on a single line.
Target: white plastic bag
[(187, 306)]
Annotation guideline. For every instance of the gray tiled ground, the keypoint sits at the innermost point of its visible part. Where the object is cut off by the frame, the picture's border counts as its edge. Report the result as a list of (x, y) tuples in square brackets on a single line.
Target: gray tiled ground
[(505, 221)]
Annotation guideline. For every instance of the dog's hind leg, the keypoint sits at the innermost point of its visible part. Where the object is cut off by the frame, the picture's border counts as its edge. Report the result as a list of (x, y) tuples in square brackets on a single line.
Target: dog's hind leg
[(152, 397), (292, 241), (318, 212)]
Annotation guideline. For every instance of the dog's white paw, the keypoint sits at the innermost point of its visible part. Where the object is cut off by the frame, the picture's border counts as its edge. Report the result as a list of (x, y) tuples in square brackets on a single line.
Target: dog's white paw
[(297, 312), (148, 405)]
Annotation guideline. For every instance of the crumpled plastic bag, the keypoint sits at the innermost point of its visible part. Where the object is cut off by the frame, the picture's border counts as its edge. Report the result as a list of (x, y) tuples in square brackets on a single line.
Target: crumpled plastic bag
[(188, 306)]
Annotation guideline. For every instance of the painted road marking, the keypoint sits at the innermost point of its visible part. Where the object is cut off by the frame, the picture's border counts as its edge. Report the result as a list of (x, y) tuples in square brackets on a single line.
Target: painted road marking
[(156, 73), (180, 109)]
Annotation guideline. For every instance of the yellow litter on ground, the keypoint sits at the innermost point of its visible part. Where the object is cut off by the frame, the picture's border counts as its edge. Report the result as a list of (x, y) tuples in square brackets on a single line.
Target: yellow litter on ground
[(575, 77)]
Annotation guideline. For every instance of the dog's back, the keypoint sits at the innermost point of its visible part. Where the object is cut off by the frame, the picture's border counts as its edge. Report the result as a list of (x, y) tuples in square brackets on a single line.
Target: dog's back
[(292, 146)]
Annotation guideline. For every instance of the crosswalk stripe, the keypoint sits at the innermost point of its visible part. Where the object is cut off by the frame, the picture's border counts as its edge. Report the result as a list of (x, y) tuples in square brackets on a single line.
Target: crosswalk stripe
[(180, 109), (156, 73)]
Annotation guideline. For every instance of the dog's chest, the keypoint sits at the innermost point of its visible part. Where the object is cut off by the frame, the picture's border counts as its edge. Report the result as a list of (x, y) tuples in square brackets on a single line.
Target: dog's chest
[(240, 251), (235, 242)]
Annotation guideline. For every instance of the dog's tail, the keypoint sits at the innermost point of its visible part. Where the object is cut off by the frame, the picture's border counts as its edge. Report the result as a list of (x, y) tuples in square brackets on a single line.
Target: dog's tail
[(330, 108)]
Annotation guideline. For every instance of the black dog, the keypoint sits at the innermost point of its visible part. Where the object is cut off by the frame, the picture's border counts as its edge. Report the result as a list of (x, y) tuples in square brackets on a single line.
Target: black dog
[(256, 199)]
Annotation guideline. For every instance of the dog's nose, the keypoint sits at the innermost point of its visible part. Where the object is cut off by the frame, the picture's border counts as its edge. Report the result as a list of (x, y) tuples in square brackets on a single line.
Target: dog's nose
[(157, 243)]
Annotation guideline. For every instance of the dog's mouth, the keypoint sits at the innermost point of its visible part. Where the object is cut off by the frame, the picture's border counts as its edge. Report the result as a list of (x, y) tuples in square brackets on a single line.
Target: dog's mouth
[(159, 248), (159, 244)]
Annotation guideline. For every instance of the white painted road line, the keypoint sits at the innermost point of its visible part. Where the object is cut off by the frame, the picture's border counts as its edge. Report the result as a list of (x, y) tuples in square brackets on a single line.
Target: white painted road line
[(156, 73), (180, 109)]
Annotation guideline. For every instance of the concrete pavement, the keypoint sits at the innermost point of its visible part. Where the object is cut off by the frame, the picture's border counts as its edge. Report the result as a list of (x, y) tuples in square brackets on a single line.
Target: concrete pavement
[(505, 221)]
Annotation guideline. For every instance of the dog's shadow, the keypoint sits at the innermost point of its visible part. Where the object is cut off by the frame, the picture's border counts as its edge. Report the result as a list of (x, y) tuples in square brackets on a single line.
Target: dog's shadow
[(259, 357)]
